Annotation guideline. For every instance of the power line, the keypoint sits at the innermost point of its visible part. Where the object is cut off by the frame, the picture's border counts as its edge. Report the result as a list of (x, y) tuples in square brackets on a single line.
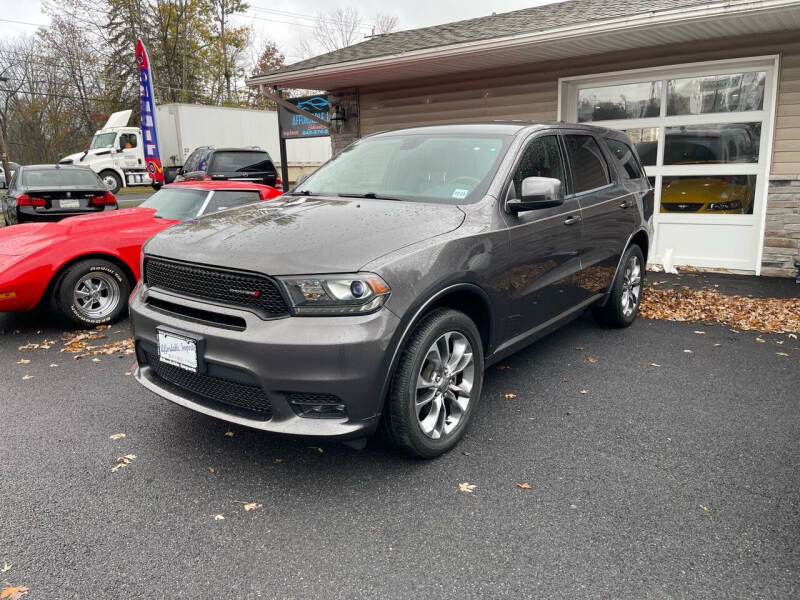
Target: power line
[(24, 23)]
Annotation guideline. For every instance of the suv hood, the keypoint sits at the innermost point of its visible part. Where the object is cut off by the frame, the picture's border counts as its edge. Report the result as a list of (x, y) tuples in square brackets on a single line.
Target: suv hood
[(296, 235)]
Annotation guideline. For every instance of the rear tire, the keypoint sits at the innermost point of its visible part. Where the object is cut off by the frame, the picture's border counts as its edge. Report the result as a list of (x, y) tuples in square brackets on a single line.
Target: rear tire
[(436, 386), (91, 292), (112, 181), (626, 292)]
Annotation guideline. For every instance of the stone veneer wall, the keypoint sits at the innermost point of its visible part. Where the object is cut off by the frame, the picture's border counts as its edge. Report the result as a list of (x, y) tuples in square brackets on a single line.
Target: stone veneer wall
[(782, 234), (347, 99)]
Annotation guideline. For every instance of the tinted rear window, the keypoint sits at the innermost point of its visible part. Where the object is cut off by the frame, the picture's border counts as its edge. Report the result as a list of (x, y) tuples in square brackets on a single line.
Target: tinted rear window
[(59, 177), (241, 161), (624, 154), (589, 169)]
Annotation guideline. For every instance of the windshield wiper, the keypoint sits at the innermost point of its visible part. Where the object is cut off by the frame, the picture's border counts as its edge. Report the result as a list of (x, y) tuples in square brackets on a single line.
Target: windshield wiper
[(369, 195)]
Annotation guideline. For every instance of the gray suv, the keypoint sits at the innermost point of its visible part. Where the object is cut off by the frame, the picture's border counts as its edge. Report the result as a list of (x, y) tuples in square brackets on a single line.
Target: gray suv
[(377, 291)]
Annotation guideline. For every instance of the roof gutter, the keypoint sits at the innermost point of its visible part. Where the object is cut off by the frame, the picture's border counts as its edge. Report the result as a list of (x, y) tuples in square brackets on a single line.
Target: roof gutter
[(639, 21)]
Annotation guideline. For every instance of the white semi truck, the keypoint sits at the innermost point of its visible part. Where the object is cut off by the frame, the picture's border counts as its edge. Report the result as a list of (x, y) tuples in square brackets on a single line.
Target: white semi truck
[(115, 152)]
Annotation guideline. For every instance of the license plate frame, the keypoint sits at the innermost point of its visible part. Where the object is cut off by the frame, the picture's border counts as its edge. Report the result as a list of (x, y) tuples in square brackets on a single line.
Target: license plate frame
[(69, 203), (179, 349)]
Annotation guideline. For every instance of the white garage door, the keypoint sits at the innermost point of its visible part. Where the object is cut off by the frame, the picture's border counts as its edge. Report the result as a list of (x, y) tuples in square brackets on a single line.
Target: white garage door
[(704, 133)]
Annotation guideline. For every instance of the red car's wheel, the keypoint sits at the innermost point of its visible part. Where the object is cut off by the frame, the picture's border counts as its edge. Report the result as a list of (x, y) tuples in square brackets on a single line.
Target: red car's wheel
[(91, 292)]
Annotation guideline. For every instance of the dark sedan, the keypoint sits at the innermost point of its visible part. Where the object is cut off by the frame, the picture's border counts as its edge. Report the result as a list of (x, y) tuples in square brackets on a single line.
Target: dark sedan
[(53, 192)]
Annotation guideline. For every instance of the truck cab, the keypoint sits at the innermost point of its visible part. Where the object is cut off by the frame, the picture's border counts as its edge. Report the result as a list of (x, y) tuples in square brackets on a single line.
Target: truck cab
[(115, 154)]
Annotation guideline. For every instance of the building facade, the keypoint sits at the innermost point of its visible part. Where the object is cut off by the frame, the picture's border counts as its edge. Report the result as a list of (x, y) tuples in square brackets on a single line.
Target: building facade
[(709, 92)]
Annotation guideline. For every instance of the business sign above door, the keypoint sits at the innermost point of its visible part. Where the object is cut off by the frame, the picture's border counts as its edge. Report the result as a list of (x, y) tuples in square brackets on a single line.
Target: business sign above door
[(295, 125)]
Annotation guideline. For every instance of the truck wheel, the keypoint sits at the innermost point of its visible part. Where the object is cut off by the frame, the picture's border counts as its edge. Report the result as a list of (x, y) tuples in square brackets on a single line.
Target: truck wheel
[(436, 386), (112, 181), (91, 292), (156, 185), (626, 291)]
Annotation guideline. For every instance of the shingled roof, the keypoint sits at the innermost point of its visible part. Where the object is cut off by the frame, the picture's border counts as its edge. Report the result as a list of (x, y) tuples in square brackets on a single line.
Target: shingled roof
[(527, 20)]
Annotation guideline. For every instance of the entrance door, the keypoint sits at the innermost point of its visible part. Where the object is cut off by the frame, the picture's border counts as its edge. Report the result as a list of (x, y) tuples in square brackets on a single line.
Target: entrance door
[(702, 132)]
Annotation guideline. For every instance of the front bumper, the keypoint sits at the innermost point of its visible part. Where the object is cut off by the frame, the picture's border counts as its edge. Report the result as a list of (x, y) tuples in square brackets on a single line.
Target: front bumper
[(346, 357)]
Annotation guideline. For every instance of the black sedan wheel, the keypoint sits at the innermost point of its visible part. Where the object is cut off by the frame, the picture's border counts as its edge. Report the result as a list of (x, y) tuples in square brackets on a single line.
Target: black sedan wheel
[(91, 292), (626, 292)]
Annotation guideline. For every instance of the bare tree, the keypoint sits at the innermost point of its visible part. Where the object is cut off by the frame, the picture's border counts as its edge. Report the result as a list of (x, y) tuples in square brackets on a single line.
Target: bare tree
[(384, 23), (338, 28)]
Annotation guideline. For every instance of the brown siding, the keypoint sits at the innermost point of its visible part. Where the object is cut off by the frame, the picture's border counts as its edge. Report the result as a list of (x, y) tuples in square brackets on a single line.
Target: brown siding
[(532, 92)]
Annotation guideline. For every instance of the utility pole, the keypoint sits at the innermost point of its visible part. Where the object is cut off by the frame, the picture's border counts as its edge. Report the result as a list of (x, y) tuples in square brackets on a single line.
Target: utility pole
[(3, 155), (226, 72)]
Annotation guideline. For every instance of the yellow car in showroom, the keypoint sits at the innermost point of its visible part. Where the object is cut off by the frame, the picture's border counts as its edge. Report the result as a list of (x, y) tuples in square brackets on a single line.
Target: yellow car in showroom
[(718, 194), (707, 145)]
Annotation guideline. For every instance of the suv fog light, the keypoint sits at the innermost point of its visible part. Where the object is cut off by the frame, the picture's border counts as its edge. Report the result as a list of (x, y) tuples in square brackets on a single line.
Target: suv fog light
[(317, 406)]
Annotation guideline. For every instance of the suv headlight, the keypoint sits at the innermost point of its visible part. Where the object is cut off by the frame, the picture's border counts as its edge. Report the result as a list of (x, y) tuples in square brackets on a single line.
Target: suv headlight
[(359, 293)]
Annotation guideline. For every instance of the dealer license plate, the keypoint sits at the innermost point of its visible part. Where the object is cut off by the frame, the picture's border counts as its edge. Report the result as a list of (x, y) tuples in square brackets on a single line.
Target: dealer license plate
[(69, 203), (177, 350)]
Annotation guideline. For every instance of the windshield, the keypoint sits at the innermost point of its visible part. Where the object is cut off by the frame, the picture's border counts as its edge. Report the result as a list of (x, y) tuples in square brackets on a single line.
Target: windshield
[(446, 169), (176, 203), (103, 140), (59, 177), (240, 161)]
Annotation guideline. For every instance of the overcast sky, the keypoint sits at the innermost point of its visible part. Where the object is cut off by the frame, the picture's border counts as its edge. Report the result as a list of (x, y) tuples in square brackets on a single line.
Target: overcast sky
[(284, 21)]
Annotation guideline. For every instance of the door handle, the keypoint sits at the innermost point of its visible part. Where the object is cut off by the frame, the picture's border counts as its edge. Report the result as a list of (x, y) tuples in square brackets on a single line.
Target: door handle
[(572, 220)]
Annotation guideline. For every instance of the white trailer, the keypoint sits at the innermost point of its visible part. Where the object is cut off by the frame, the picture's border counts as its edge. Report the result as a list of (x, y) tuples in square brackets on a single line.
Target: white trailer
[(115, 152)]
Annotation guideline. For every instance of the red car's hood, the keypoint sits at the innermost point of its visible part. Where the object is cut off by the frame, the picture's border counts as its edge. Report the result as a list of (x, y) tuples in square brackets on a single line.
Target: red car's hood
[(26, 238)]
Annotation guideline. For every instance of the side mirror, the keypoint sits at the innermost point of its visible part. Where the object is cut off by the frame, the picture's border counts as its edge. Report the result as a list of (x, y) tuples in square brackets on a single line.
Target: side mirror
[(301, 179), (537, 192)]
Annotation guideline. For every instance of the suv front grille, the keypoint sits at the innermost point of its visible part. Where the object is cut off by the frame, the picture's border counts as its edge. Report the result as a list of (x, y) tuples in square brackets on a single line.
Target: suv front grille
[(247, 397), (256, 292)]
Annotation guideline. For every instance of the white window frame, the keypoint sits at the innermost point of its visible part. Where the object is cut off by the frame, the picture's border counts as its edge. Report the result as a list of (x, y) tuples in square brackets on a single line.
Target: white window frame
[(568, 88)]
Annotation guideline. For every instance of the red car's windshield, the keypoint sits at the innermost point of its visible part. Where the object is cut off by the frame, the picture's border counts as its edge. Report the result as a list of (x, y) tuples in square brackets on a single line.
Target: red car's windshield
[(176, 203)]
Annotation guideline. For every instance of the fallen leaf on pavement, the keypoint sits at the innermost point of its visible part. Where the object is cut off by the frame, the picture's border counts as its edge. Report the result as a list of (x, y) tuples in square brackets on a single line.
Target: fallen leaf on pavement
[(502, 367), (524, 486), (592, 359), (5, 568), (229, 433), (466, 487), (127, 372), (689, 351), (24, 377), (578, 347), (124, 461), (116, 436), (219, 518), (705, 508), (317, 448), (700, 332), (466, 453), (212, 470), (655, 365), (23, 361), (509, 396), (793, 336), (781, 354), (584, 392), (248, 506), (13, 593), (761, 340), (95, 360), (53, 365), (278, 460)]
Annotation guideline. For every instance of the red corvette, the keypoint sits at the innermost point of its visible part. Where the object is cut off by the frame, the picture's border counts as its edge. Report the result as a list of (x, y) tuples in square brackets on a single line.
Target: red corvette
[(86, 266)]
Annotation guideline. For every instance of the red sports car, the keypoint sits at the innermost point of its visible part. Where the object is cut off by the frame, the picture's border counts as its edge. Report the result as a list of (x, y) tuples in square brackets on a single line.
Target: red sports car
[(86, 266)]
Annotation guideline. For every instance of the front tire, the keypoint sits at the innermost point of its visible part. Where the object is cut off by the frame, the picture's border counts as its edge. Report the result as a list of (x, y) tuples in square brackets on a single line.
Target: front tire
[(436, 386), (626, 292), (111, 180), (91, 292)]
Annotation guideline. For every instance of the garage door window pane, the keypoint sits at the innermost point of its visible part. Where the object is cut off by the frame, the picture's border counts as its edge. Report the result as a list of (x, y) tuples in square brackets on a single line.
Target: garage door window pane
[(589, 169), (712, 144), (645, 140), (708, 194), (716, 94), (630, 101)]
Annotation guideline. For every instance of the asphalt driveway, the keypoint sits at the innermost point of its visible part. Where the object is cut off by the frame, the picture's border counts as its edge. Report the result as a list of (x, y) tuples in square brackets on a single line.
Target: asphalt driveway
[(680, 480)]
